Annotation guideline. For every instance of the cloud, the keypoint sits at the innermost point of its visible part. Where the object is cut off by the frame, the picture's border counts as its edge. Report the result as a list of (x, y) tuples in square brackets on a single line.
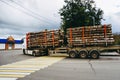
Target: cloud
[(111, 13), (116, 22), (18, 17)]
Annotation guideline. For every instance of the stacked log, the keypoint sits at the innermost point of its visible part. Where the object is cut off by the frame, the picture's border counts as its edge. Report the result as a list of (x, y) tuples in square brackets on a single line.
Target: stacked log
[(43, 38), (90, 35)]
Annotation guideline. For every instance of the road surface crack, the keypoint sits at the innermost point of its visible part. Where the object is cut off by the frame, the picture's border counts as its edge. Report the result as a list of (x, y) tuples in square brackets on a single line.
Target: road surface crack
[(91, 66)]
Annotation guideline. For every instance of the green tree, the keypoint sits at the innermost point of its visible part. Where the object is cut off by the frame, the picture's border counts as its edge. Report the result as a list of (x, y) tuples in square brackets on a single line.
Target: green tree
[(76, 13)]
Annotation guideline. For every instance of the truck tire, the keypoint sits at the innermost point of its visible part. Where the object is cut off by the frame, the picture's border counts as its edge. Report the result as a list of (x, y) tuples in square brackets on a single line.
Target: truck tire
[(118, 51), (46, 52), (24, 52), (83, 54), (72, 54), (94, 54), (34, 53)]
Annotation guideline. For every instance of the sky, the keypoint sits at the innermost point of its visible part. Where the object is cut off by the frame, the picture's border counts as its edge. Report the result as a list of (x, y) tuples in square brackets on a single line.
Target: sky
[(17, 17)]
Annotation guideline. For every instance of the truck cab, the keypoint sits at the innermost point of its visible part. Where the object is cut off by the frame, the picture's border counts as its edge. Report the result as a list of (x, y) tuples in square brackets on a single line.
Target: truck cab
[(34, 51)]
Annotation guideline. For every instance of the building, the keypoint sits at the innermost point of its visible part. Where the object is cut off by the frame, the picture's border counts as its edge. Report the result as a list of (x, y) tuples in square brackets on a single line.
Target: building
[(10, 43)]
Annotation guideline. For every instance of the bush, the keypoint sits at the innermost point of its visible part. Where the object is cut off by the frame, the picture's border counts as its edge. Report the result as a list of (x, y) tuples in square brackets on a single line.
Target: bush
[(117, 38)]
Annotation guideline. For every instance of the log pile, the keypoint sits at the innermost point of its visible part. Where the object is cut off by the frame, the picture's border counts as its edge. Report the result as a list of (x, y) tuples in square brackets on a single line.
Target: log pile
[(93, 35), (100, 35), (43, 38)]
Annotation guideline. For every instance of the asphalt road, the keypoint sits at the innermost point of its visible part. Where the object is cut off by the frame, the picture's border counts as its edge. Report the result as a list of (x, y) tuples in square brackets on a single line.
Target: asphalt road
[(10, 56), (105, 68)]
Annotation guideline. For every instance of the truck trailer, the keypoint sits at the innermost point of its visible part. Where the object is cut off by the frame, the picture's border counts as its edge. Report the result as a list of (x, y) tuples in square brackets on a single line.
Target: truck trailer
[(83, 42)]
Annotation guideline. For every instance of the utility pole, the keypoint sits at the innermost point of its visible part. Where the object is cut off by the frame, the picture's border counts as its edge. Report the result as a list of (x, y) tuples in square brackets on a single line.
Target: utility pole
[(93, 5), (72, 14)]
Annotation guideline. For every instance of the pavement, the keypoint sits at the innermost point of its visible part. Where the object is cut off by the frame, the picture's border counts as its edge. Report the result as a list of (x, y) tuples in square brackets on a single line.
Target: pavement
[(105, 68), (20, 69), (11, 56), (59, 68)]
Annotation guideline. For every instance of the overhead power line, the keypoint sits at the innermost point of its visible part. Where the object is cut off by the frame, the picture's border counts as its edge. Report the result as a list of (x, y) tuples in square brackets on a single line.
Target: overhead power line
[(31, 11), (26, 12)]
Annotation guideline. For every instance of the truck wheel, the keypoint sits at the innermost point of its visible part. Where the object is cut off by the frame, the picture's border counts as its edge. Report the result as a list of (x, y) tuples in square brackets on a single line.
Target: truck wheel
[(34, 53), (46, 52), (94, 54), (83, 54), (24, 52), (118, 51), (72, 54)]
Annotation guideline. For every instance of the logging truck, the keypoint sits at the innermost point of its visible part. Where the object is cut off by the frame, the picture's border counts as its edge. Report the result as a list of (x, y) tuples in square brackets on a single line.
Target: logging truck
[(83, 42)]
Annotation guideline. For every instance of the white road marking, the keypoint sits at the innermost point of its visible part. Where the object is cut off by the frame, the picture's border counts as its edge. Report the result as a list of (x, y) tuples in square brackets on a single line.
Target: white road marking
[(20, 69), (21, 73), (8, 78)]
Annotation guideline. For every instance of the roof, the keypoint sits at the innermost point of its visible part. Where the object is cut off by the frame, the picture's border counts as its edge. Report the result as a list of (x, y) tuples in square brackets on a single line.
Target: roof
[(18, 41), (3, 41), (10, 38)]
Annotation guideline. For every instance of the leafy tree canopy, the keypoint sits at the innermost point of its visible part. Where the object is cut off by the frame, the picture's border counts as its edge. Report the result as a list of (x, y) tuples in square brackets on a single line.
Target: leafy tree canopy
[(76, 13)]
